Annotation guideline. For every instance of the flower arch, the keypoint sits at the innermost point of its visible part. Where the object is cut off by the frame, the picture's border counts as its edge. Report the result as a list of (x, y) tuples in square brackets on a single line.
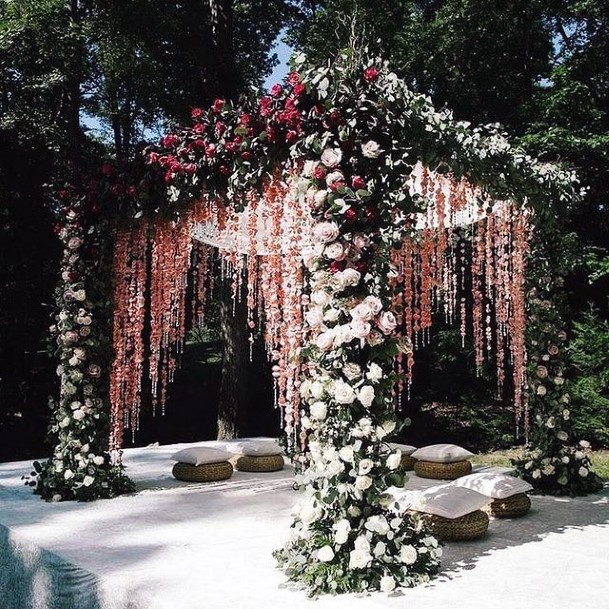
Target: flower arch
[(338, 198)]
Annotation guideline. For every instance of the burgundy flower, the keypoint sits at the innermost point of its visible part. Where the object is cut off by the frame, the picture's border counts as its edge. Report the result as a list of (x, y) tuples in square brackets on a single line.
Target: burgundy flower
[(217, 105), (210, 151), (170, 141), (371, 74), (336, 265), (168, 177), (276, 90), (246, 155), (190, 168), (224, 170), (361, 266), (358, 183), (199, 128), (350, 215), (153, 157), (299, 89), (271, 133), (117, 190), (291, 136), (107, 170), (196, 113), (199, 144), (220, 128), (245, 119), (132, 191)]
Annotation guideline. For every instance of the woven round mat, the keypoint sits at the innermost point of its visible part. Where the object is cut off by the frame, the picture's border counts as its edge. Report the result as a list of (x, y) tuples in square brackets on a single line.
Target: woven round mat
[(510, 507), (442, 471), (210, 472), (407, 462), (470, 526), (269, 463)]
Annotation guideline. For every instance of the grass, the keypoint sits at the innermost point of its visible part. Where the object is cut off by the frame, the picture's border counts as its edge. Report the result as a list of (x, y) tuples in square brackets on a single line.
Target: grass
[(501, 458)]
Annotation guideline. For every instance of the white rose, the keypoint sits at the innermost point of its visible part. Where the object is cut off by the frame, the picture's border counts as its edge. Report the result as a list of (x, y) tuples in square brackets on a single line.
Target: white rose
[(387, 584), (79, 414), (343, 528), (354, 511), (314, 317), (343, 334), (562, 436), (343, 393), (351, 277), (366, 395), (375, 373), (331, 157), (584, 443), (408, 555), (88, 480), (316, 389), (362, 312), (319, 410), (379, 549), (324, 232), (334, 178), (346, 454), (582, 471), (371, 150), (377, 524), (550, 423), (359, 559), (98, 460), (541, 390), (325, 340), (68, 474), (335, 251), (394, 460), (365, 466), (352, 370), (325, 554), (363, 482), (331, 315), (320, 196), (309, 168)]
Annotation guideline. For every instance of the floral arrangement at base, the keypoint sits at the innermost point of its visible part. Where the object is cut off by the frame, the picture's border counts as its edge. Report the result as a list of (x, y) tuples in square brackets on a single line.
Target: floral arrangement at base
[(554, 462), (81, 467)]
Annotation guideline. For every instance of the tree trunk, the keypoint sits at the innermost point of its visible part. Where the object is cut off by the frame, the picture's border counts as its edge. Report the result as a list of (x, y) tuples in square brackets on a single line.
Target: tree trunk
[(232, 405)]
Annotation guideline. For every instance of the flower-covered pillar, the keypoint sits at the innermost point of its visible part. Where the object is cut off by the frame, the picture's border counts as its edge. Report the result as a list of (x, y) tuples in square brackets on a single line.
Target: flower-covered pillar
[(554, 462), (344, 536), (81, 466)]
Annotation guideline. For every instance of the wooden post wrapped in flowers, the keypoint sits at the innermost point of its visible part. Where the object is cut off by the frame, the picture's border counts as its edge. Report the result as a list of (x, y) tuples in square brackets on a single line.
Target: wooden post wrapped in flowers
[(345, 171)]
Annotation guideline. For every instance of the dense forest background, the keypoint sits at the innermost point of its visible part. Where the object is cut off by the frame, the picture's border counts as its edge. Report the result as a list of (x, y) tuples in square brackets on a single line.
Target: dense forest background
[(85, 79)]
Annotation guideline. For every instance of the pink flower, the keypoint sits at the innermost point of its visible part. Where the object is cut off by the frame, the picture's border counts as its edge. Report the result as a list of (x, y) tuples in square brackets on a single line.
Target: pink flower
[(196, 113), (553, 350), (334, 178), (360, 241), (325, 232), (335, 251), (293, 78), (386, 322), (360, 328), (315, 318), (374, 303), (362, 312), (276, 90), (325, 340), (331, 157), (371, 74), (74, 243)]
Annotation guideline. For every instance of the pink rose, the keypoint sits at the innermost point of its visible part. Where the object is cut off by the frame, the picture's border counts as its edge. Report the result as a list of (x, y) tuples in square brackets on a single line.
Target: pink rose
[(351, 277), (386, 322), (362, 312), (374, 303), (360, 241), (70, 337), (94, 370), (325, 232), (325, 340), (334, 178), (331, 157), (553, 350), (335, 251), (360, 328)]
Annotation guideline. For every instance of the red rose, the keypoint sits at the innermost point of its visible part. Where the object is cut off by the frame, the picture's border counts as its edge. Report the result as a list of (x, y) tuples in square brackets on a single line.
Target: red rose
[(361, 266), (299, 89), (224, 170), (246, 155), (291, 136), (210, 151), (371, 74), (350, 215), (217, 105), (107, 170), (336, 266), (169, 141), (358, 183), (271, 134), (220, 128), (190, 168), (198, 144), (132, 191), (319, 173), (276, 90), (293, 78), (196, 113), (199, 128), (153, 157), (117, 190), (168, 177), (245, 119)]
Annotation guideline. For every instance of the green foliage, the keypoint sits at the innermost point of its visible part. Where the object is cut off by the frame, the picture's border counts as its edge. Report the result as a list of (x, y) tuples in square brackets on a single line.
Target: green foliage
[(589, 352)]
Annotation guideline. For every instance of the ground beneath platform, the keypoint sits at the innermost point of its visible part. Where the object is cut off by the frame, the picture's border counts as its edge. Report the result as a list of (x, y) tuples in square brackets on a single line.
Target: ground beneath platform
[(177, 545)]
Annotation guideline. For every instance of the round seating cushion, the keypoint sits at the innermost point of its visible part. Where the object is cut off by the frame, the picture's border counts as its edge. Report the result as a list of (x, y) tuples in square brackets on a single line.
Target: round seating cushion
[(262, 463), (208, 472), (510, 507), (407, 462), (470, 526), (442, 471)]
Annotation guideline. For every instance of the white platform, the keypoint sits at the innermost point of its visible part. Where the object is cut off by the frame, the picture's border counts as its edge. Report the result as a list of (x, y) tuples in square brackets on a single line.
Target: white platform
[(176, 545)]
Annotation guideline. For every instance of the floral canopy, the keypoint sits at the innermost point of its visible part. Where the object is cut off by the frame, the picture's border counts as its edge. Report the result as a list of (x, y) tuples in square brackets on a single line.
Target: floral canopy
[(349, 209)]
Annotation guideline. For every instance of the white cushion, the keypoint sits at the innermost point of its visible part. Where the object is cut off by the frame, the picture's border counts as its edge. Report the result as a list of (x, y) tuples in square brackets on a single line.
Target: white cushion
[(497, 486), (405, 448), (448, 501), (442, 453), (255, 448), (201, 455)]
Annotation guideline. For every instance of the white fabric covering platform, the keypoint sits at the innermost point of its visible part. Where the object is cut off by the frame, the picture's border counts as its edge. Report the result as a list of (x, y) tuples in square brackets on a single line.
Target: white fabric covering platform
[(178, 545)]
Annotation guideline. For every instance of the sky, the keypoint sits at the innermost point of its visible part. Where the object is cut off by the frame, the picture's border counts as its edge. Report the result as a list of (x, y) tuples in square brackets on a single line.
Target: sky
[(283, 52)]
